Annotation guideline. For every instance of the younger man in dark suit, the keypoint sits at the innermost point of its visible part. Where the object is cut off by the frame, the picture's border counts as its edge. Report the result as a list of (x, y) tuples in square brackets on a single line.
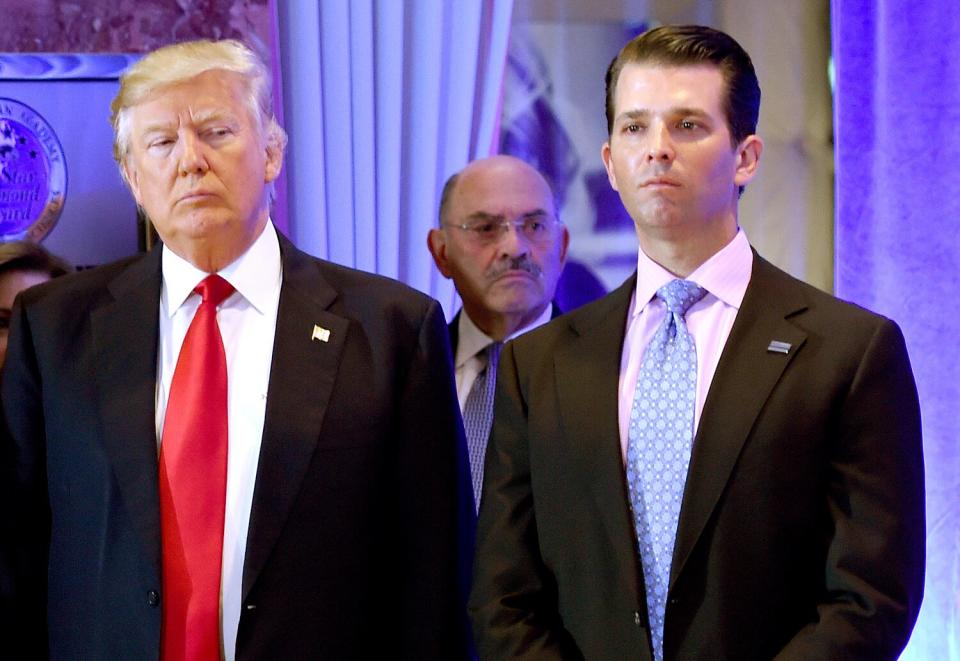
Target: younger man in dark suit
[(227, 448), (715, 461)]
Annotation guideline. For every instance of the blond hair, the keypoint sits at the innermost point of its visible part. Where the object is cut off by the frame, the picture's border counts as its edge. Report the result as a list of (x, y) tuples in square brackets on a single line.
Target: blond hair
[(180, 62)]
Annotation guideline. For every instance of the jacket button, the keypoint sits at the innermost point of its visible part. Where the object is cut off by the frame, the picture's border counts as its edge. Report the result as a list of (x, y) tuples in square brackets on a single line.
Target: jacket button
[(674, 601), (153, 598), (636, 618)]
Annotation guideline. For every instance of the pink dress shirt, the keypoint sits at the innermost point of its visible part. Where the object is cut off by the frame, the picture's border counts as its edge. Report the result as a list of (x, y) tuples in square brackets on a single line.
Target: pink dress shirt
[(725, 276)]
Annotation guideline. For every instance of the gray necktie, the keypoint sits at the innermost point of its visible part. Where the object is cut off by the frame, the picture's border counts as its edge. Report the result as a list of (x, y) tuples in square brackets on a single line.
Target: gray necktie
[(478, 415), (660, 440)]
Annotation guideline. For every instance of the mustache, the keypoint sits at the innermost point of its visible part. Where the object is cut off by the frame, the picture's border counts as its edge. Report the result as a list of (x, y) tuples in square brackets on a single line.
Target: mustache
[(521, 263)]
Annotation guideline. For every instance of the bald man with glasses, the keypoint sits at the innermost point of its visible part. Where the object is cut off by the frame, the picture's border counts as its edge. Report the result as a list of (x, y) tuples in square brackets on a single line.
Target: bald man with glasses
[(501, 242)]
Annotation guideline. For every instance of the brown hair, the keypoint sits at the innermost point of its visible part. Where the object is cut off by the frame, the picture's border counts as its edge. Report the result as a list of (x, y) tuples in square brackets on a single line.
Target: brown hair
[(691, 45), (29, 256)]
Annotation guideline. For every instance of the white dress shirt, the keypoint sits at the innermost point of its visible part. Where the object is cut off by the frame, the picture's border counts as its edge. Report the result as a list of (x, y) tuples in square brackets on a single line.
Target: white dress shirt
[(471, 341), (725, 276), (247, 320)]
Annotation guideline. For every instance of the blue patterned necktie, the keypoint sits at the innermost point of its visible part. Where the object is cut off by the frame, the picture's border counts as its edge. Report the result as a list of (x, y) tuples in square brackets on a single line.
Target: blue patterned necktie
[(660, 438), (478, 416)]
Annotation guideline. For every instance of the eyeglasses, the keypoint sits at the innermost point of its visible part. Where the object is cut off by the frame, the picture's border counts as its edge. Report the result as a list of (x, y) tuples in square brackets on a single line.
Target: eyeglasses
[(536, 229)]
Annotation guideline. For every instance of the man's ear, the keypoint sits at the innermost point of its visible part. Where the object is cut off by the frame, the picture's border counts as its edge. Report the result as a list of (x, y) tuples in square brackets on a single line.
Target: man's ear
[(274, 153), (564, 244), (748, 159), (608, 165), (437, 244)]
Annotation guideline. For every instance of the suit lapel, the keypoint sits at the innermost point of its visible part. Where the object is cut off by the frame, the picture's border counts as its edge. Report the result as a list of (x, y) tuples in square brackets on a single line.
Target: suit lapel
[(745, 376), (125, 343), (587, 370), (302, 377), (454, 328)]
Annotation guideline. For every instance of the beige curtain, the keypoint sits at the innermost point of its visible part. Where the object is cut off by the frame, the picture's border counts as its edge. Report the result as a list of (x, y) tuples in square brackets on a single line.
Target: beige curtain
[(787, 211)]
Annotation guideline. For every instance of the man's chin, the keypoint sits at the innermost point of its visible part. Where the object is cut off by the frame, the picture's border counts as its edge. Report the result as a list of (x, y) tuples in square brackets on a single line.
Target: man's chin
[(658, 214), (516, 287), (192, 230), (516, 300), (201, 226), (513, 280)]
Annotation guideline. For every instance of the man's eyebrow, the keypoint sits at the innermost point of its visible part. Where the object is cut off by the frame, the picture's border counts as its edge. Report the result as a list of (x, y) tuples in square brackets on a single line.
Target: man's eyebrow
[(633, 114), (214, 115), (535, 212), (484, 216), (495, 217), (158, 126), (200, 118), (690, 111), (678, 111)]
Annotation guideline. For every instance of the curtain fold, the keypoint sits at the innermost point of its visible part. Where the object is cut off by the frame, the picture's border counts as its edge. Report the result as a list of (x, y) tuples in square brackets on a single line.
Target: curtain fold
[(898, 199), (383, 100)]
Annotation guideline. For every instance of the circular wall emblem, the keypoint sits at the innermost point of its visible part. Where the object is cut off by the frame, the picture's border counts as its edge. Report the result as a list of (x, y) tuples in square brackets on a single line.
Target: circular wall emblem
[(33, 173)]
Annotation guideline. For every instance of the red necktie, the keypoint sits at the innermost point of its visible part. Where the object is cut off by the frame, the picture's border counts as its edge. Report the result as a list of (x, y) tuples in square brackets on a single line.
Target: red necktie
[(193, 481)]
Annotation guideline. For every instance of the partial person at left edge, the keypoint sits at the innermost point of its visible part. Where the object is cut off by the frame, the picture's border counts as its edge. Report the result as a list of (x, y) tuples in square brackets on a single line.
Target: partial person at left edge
[(23, 264), (226, 448)]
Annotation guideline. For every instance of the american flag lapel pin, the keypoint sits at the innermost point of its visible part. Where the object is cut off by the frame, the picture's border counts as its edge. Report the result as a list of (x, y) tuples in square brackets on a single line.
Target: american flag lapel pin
[(320, 333), (776, 346)]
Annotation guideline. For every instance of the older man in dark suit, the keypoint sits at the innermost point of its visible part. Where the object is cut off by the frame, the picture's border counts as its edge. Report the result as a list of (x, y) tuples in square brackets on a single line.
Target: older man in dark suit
[(227, 448), (715, 461), (501, 241)]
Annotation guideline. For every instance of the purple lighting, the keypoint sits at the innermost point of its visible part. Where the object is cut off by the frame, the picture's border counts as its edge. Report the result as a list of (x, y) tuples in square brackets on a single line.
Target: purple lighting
[(897, 115)]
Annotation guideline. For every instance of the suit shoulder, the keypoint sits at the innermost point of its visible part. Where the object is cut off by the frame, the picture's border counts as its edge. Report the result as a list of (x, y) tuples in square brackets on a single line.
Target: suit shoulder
[(77, 288), (819, 304), (610, 308), (372, 300), (351, 283)]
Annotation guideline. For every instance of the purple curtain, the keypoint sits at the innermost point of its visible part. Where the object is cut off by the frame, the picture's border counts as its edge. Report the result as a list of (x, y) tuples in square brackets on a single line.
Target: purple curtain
[(382, 101), (897, 129)]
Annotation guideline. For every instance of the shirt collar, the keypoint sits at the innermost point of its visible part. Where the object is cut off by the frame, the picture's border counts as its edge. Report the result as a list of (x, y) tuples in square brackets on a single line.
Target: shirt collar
[(725, 275), (256, 274), (471, 340)]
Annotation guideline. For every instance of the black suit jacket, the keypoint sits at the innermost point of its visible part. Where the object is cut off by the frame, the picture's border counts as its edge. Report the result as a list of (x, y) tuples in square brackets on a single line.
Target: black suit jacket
[(801, 534), (352, 548), (454, 326)]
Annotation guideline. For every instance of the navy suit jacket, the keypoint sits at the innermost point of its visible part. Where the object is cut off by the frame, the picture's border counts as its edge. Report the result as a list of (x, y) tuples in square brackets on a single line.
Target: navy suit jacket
[(353, 549)]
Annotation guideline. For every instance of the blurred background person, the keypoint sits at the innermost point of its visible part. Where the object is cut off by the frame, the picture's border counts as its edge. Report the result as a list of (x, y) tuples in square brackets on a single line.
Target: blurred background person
[(23, 264)]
